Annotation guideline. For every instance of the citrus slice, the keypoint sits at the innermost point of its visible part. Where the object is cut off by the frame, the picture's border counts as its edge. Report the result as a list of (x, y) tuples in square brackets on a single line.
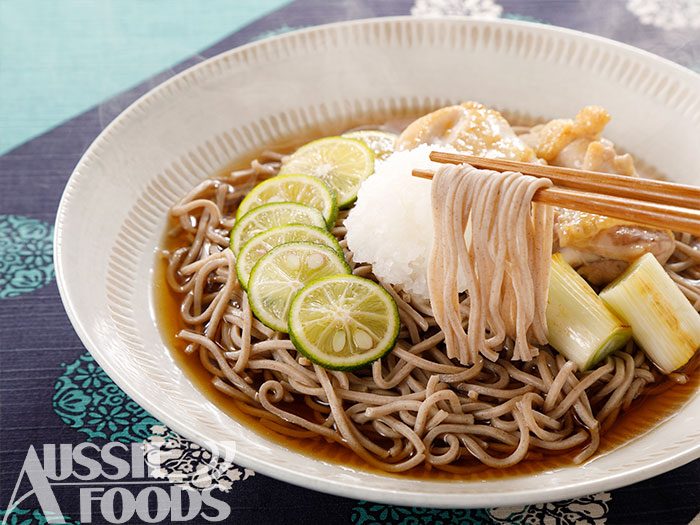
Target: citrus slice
[(343, 322), (255, 248), (340, 162), (270, 216), (380, 142), (282, 272), (292, 188)]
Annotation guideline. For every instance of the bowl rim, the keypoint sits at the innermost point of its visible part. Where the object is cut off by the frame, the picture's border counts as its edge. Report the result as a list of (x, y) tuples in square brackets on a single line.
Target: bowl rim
[(334, 487)]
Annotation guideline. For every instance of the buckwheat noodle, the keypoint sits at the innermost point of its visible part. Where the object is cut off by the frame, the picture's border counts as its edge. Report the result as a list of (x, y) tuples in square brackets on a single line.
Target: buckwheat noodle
[(504, 258), (493, 393)]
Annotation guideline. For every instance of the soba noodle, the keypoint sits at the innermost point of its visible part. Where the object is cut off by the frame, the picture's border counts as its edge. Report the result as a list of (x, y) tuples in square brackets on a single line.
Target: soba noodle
[(416, 405), (504, 257)]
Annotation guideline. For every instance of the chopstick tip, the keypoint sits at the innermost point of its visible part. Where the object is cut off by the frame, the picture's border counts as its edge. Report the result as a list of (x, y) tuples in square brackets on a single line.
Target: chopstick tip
[(423, 174)]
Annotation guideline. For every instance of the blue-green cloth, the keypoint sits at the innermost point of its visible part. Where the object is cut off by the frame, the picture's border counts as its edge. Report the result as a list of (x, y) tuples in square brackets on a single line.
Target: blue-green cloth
[(59, 58)]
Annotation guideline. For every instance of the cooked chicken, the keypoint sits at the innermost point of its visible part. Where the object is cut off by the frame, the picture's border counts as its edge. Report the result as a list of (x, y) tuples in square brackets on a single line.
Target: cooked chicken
[(469, 127), (547, 140), (578, 144), (600, 248), (601, 156)]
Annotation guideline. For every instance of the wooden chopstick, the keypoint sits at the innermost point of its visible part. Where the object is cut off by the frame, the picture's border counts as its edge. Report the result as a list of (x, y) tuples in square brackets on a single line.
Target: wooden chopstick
[(658, 191), (596, 200)]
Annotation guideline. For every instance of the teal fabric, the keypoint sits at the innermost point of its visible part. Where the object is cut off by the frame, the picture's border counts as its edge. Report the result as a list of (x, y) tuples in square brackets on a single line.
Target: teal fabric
[(59, 58)]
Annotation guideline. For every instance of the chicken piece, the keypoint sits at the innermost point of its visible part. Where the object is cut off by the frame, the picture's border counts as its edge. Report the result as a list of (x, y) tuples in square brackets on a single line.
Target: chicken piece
[(470, 128), (600, 272), (548, 140), (601, 156), (578, 144), (597, 155), (600, 248)]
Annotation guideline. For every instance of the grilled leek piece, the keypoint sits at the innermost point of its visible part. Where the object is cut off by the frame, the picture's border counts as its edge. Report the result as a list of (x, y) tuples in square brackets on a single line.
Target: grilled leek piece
[(581, 327), (664, 323)]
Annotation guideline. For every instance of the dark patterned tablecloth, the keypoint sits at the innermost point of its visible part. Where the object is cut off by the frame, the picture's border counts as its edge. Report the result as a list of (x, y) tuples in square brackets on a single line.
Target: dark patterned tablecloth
[(55, 398)]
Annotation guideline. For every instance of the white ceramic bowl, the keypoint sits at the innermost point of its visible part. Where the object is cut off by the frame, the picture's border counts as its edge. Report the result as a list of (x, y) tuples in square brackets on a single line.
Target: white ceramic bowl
[(113, 211)]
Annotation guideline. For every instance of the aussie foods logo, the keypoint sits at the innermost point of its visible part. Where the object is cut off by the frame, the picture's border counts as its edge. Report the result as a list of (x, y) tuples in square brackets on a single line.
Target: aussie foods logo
[(118, 482)]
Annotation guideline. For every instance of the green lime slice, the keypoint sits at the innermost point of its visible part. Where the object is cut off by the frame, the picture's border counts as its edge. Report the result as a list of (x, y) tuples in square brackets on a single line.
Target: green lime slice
[(340, 162), (282, 272), (380, 142), (343, 322), (255, 248), (270, 216), (292, 188)]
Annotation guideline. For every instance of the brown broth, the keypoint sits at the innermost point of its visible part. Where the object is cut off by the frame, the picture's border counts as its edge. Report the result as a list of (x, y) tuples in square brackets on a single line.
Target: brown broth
[(646, 413)]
